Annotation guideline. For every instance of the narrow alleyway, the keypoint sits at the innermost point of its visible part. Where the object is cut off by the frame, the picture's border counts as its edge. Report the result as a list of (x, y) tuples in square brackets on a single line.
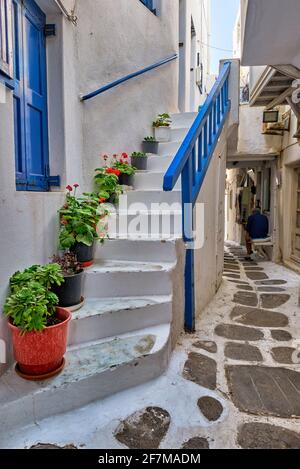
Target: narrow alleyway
[(234, 383)]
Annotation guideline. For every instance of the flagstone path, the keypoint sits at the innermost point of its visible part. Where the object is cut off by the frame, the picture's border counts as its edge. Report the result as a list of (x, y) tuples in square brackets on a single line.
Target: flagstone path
[(235, 383)]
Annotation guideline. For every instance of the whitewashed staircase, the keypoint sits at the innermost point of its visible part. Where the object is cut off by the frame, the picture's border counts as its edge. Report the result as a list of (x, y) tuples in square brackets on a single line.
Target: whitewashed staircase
[(122, 336)]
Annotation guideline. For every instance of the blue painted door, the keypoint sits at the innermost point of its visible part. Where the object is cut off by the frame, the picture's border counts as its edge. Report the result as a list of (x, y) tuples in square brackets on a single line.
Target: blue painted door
[(30, 97)]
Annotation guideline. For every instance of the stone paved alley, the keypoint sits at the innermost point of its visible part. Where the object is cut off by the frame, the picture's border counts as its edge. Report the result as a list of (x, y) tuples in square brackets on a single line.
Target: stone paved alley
[(233, 384)]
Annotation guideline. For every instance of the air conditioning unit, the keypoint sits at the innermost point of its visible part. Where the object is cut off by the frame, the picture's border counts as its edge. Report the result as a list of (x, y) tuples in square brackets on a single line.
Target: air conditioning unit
[(276, 122)]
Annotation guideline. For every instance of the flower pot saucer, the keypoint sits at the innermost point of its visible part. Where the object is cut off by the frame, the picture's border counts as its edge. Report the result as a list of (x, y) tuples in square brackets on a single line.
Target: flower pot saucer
[(78, 306), (85, 265), (43, 376)]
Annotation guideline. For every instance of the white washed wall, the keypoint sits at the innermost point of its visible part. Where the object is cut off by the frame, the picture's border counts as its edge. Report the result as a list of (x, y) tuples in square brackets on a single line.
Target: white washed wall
[(110, 40)]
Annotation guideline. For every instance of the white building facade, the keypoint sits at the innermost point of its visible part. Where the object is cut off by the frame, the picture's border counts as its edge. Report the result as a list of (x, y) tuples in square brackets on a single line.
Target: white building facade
[(53, 52), (268, 155)]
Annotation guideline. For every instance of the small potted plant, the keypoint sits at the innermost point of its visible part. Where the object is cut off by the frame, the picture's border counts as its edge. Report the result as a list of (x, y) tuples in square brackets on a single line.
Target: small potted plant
[(127, 171), (162, 128), (139, 160), (39, 327), (107, 184), (70, 292), (79, 219), (150, 145)]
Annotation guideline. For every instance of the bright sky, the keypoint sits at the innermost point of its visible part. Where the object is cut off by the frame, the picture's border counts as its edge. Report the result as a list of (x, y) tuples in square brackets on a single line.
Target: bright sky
[(224, 13)]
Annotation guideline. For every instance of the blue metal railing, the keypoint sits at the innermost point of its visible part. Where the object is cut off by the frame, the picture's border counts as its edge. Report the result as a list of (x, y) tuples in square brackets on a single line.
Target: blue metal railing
[(191, 163), (128, 77)]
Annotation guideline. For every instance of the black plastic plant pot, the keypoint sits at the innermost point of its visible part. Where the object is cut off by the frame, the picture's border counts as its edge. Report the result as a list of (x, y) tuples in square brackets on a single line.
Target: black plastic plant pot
[(70, 292), (139, 162), (150, 147), (85, 254), (126, 180), (113, 199)]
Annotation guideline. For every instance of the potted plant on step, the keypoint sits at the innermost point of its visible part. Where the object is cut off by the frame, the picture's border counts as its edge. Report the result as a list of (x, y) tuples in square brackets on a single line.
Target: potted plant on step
[(39, 327), (150, 145), (79, 219), (107, 184), (162, 128), (139, 160), (69, 293), (127, 171)]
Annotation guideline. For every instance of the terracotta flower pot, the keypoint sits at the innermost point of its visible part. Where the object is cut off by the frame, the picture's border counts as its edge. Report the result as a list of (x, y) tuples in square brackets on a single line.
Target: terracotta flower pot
[(40, 353)]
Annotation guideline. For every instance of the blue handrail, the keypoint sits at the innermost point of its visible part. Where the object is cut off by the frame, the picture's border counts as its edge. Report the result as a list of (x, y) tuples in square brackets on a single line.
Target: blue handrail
[(128, 77), (192, 162)]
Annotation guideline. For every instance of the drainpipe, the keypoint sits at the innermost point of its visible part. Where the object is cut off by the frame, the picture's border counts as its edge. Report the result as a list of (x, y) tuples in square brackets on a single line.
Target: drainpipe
[(69, 15)]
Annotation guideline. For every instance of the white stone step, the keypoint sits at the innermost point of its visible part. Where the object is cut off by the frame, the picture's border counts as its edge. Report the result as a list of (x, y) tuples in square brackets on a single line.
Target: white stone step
[(168, 148), (184, 119), (149, 197), (159, 163), (126, 278), (136, 250), (152, 224), (108, 317), (91, 373), (178, 133), (152, 180)]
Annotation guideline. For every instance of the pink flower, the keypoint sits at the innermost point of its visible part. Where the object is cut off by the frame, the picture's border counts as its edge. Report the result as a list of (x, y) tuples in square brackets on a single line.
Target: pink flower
[(75, 185), (69, 188)]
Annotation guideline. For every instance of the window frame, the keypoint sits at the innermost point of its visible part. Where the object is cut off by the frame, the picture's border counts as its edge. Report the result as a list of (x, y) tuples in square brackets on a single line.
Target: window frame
[(150, 5), (6, 40)]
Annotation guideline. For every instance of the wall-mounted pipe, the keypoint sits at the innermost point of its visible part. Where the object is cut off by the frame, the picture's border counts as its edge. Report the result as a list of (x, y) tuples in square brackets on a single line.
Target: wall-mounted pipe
[(69, 15)]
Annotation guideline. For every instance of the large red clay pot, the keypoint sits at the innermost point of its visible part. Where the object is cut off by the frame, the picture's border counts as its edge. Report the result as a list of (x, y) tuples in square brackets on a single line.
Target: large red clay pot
[(39, 353)]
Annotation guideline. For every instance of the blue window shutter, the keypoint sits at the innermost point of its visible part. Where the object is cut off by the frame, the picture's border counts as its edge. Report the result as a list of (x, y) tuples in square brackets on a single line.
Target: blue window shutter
[(6, 56), (35, 97), (18, 98), (148, 4)]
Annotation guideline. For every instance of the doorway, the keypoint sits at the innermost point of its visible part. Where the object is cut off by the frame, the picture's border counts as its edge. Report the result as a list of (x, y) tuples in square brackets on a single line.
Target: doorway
[(296, 218), (30, 96)]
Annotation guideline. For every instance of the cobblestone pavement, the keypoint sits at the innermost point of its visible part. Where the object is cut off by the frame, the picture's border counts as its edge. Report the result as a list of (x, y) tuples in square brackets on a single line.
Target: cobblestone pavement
[(235, 383)]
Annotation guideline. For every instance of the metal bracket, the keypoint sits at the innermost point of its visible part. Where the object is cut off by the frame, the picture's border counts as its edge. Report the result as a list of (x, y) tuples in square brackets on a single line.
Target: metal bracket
[(50, 30)]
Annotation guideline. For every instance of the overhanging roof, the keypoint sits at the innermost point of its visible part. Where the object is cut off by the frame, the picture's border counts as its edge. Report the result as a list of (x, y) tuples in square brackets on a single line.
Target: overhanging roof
[(274, 86), (271, 32), (245, 160)]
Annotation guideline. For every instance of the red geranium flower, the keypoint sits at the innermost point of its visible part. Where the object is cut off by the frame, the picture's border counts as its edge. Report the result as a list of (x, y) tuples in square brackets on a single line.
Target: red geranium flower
[(113, 171), (125, 155), (102, 200), (75, 185), (69, 188)]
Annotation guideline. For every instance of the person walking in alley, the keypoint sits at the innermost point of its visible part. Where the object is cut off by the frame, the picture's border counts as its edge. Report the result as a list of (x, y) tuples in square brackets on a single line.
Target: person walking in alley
[(257, 228)]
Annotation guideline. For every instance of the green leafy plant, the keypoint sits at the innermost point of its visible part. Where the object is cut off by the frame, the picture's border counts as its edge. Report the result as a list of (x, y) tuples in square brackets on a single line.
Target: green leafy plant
[(125, 168), (46, 275), (149, 139), (163, 120), (107, 183), (31, 305), (139, 154), (79, 218)]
